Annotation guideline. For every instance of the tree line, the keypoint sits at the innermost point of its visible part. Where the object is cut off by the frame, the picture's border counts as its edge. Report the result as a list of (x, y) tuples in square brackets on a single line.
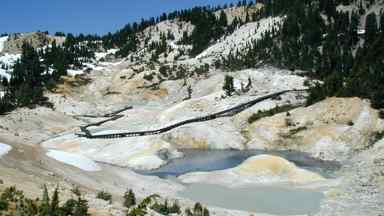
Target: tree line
[(208, 28), (13, 202)]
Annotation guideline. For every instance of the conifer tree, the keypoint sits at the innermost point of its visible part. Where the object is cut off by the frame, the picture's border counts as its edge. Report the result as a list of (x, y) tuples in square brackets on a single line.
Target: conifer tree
[(382, 23), (54, 207), (198, 210), (81, 207), (45, 207), (129, 199), (228, 85), (223, 21), (371, 28)]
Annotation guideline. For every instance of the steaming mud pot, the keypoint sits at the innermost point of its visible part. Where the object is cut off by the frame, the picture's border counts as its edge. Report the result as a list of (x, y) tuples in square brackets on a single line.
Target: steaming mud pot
[(251, 180), (212, 160)]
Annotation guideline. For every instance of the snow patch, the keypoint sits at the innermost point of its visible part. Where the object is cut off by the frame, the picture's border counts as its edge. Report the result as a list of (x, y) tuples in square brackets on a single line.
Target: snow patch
[(74, 72), (2, 42), (4, 74), (75, 160), (329, 147), (100, 55), (4, 149), (7, 60)]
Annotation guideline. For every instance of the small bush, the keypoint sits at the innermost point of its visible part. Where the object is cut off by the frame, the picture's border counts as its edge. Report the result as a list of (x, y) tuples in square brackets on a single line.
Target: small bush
[(148, 77), (165, 209), (164, 70), (266, 113), (3, 205), (379, 135), (104, 196), (381, 114)]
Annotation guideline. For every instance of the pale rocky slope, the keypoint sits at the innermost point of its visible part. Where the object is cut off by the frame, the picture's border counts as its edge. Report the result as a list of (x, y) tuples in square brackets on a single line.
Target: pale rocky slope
[(31, 127), (243, 36), (141, 152), (332, 129)]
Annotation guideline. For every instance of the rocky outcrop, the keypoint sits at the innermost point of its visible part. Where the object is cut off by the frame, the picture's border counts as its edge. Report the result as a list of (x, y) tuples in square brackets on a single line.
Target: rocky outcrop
[(35, 39), (331, 129), (240, 12)]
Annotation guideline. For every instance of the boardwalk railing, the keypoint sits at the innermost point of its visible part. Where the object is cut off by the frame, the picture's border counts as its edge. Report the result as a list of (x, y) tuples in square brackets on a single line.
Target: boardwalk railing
[(228, 112)]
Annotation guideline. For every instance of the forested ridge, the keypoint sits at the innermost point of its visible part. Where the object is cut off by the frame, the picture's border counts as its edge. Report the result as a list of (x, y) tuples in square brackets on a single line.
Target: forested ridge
[(341, 48), (208, 27), (333, 45), (41, 69), (317, 38)]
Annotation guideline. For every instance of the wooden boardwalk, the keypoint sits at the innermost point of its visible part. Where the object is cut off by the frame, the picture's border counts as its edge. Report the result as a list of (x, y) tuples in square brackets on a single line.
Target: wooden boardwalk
[(228, 112)]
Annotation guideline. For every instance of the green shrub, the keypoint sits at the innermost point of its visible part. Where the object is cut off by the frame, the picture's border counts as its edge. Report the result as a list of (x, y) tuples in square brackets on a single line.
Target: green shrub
[(104, 196), (266, 113), (148, 77), (165, 209), (3, 205)]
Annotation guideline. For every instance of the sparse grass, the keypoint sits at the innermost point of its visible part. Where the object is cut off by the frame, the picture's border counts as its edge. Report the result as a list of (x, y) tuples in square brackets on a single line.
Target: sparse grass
[(111, 93), (297, 130), (79, 80)]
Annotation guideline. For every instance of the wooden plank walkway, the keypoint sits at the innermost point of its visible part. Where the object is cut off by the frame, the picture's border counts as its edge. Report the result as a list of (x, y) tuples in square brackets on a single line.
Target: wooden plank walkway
[(225, 113)]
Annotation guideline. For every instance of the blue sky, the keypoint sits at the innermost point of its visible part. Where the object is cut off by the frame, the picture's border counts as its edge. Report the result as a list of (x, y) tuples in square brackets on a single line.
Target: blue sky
[(86, 16)]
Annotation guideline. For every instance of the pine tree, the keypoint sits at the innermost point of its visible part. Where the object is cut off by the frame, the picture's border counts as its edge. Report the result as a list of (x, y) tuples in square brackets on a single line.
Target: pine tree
[(198, 210), (188, 212), (205, 212), (228, 86), (81, 207), (371, 28), (223, 21), (45, 207), (354, 28), (129, 199), (54, 207), (382, 23)]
